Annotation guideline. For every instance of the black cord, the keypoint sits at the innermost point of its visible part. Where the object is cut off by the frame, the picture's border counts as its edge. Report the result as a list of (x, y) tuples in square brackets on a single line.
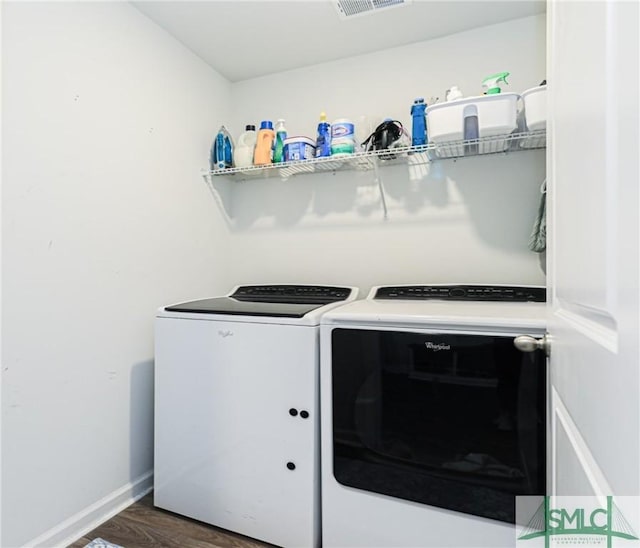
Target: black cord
[(384, 126)]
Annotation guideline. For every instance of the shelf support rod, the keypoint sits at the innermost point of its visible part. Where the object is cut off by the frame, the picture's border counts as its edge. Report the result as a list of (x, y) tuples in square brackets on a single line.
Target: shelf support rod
[(383, 199)]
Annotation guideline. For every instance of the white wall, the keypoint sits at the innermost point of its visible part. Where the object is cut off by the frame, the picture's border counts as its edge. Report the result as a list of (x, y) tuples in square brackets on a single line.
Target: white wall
[(468, 220), (106, 123)]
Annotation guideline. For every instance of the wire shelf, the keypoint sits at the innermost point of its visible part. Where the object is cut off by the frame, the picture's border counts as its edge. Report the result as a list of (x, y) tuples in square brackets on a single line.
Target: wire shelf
[(415, 155)]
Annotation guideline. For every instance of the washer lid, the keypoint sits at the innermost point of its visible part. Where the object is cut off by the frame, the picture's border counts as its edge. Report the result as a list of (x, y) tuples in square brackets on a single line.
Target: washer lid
[(230, 305), (282, 301)]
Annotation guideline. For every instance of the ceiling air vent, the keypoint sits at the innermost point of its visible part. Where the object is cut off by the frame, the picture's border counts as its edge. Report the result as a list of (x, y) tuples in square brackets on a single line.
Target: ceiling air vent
[(351, 8)]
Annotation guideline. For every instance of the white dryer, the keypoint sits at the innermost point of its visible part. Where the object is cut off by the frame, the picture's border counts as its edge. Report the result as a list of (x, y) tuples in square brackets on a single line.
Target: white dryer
[(237, 410), (432, 421)]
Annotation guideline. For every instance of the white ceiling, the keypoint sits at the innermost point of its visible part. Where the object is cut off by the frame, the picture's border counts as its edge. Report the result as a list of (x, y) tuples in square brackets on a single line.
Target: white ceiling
[(243, 39)]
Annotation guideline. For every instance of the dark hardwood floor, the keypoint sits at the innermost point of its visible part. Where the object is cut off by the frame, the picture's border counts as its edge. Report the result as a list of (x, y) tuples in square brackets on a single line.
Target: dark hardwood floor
[(141, 525)]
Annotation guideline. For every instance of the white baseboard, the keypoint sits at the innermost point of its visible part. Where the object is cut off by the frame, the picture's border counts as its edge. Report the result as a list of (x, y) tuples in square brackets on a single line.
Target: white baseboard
[(88, 519)]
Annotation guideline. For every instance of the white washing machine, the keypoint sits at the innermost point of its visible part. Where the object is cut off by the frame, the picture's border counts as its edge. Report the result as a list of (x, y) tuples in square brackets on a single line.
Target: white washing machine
[(432, 421), (237, 410)]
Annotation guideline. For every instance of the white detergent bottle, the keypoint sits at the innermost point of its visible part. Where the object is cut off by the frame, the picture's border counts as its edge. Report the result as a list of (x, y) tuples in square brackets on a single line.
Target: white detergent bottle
[(453, 93), (245, 147)]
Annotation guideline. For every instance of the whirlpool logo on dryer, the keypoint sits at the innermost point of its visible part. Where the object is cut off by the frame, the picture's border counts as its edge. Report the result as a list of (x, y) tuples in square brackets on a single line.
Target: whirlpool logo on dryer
[(436, 347)]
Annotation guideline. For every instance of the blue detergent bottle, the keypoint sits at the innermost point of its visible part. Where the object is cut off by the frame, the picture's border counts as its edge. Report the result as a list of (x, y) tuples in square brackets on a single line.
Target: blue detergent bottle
[(419, 126), (323, 141)]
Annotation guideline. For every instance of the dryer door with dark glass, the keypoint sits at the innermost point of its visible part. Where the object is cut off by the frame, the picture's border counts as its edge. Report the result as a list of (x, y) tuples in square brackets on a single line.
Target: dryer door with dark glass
[(450, 420)]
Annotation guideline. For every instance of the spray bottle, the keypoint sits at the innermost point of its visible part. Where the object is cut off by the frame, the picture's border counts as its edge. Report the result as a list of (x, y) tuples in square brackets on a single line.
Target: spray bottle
[(221, 156), (492, 83)]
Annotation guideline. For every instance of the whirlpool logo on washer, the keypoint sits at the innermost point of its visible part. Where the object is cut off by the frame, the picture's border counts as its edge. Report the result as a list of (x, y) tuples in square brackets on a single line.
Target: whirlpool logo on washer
[(436, 347)]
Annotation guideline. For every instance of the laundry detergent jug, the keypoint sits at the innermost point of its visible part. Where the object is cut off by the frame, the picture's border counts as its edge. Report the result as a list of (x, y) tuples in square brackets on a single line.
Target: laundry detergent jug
[(264, 144)]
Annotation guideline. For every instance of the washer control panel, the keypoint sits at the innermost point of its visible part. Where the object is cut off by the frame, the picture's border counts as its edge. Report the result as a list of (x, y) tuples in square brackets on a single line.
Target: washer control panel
[(292, 293), (464, 293)]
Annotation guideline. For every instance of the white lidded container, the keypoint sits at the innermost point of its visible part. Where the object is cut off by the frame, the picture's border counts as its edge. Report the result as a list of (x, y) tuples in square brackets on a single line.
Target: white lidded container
[(535, 108), (299, 148), (472, 118)]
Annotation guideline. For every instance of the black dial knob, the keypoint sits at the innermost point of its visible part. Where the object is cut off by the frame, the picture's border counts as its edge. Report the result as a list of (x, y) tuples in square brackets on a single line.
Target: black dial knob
[(293, 412), (291, 466), (304, 414)]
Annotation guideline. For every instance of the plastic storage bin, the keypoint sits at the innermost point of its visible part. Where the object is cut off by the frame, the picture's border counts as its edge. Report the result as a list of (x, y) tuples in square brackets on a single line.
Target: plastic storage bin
[(535, 108), (472, 118)]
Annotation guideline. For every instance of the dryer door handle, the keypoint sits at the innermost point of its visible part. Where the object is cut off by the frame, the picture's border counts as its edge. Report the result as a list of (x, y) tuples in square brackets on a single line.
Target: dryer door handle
[(526, 343)]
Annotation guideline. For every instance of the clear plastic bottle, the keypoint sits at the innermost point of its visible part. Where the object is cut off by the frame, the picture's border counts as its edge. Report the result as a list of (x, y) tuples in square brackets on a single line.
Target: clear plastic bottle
[(245, 148), (281, 135)]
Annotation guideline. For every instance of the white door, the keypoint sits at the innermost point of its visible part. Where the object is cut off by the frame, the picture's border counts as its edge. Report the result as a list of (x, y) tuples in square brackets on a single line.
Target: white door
[(593, 254)]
